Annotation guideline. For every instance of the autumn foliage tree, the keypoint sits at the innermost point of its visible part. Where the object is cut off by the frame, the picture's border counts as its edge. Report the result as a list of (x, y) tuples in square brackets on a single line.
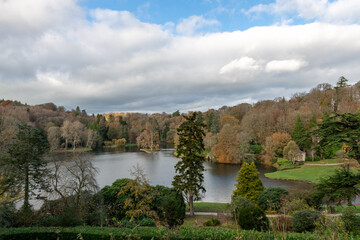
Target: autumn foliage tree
[(227, 148), (275, 144)]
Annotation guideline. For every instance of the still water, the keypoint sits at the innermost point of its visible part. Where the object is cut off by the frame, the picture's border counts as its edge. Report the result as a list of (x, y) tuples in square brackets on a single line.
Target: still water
[(219, 179)]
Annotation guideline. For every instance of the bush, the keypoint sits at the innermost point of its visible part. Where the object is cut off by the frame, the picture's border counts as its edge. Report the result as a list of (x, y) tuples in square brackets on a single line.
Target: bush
[(115, 203), (146, 222), (294, 205), (256, 149), (282, 223), (127, 223), (170, 206), (7, 215), (350, 219), (252, 218), (238, 203), (270, 198), (212, 222), (305, 220)]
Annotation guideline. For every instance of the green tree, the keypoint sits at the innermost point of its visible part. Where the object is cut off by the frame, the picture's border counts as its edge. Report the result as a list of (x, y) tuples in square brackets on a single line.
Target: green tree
[(337, 131), (248, 184), (300, 135), (26, 158), (339, 187), (189, 179)]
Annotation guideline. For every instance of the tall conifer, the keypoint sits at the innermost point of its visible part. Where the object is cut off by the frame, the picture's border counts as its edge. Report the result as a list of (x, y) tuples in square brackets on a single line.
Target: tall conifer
[(248, 184), (189, 179)]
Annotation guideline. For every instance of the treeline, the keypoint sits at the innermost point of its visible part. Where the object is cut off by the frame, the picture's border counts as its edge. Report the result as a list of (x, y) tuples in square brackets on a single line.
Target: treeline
[(233, 134)]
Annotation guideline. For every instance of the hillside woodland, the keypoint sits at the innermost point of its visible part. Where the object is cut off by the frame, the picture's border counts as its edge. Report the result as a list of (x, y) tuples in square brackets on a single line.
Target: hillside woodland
[(245, 132)]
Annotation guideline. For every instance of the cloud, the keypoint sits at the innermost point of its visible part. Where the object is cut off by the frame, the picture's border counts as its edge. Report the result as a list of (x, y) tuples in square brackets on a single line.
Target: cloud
[(105, 60), (191, 25), (241, 64), (339, 11), (291, 65)]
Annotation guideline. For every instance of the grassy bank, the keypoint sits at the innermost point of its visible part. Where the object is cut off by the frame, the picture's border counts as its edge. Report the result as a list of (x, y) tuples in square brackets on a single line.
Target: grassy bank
[(305, 173), (210, 207), (73, 150)]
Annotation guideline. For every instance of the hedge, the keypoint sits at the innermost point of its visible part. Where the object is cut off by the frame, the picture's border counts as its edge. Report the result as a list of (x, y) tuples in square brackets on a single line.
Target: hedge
[(96, 233)]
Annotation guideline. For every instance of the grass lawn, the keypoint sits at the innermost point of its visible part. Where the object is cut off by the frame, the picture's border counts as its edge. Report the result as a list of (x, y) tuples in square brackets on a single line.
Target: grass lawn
[(339, 209), (210, 207), (305, 173), (198, 221), (329, 161)]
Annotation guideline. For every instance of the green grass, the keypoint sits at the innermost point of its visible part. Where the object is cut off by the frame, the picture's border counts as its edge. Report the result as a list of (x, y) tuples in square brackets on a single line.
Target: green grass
[(305, 173), (210, 207), (327, 161), (339, 209), (76, 150)]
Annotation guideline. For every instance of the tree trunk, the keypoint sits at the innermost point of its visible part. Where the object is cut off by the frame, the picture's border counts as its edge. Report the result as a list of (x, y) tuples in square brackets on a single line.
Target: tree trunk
[(66, 143), (191, 204), (26, 188)]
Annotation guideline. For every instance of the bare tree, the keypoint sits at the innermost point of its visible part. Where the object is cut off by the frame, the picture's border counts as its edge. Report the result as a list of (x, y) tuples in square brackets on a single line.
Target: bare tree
[(73, 176)]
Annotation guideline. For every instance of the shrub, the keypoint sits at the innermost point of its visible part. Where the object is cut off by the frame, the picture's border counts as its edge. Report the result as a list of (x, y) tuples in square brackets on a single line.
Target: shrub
[(212, 222), (146, 222), (270, 198), (114, 202), (169, 205), (350, 219), (304, 220), (252, 218), (7, 215), (294, 205), (256, 149), (282, 223), (238, 203), (127, 223)]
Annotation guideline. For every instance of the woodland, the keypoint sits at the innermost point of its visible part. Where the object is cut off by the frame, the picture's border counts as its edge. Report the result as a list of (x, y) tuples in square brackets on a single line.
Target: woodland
[(321, 124), (245, 132)]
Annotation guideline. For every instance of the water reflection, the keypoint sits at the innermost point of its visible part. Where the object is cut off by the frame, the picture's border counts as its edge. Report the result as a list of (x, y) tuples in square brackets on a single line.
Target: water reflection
[(219, 179)]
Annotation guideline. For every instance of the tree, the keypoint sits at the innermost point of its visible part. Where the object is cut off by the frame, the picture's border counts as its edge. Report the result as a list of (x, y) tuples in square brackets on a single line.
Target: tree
[(248, 184), (292, 152), (53, 136), (339, 130), (300, 135), (227, 148), (270, 198), (26, 158), (66, 132), (189, 179), (275, 144), (339, 187)]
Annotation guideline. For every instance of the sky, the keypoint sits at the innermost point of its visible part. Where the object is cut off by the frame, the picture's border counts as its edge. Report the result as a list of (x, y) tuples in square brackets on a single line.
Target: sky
[(167, 55)]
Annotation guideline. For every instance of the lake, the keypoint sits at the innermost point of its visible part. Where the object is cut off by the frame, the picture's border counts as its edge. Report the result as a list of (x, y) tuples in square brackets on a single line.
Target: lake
[(219, 179)]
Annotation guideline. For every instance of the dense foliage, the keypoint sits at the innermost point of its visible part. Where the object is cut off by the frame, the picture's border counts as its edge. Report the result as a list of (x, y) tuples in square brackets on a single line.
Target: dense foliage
[(270, 198), (248, 184), (189, 170), (156, 233), (252, 218), (339, 187), (305, 220)]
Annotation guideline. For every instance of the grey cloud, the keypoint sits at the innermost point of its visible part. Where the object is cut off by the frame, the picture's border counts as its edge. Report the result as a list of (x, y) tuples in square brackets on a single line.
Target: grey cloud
[(117, 63)]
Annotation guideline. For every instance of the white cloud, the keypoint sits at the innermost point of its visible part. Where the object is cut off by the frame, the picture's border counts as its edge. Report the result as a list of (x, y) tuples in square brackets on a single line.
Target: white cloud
[(339, 11), (115, 62), (240, 64), (290, 65), (190, 25)]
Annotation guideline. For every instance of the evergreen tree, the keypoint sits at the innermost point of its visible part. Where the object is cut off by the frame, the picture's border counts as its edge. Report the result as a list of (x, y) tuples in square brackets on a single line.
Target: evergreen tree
[(248, 184), (189, 179), (300, 135), (340, 130), (26, 159), (339, 187)]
